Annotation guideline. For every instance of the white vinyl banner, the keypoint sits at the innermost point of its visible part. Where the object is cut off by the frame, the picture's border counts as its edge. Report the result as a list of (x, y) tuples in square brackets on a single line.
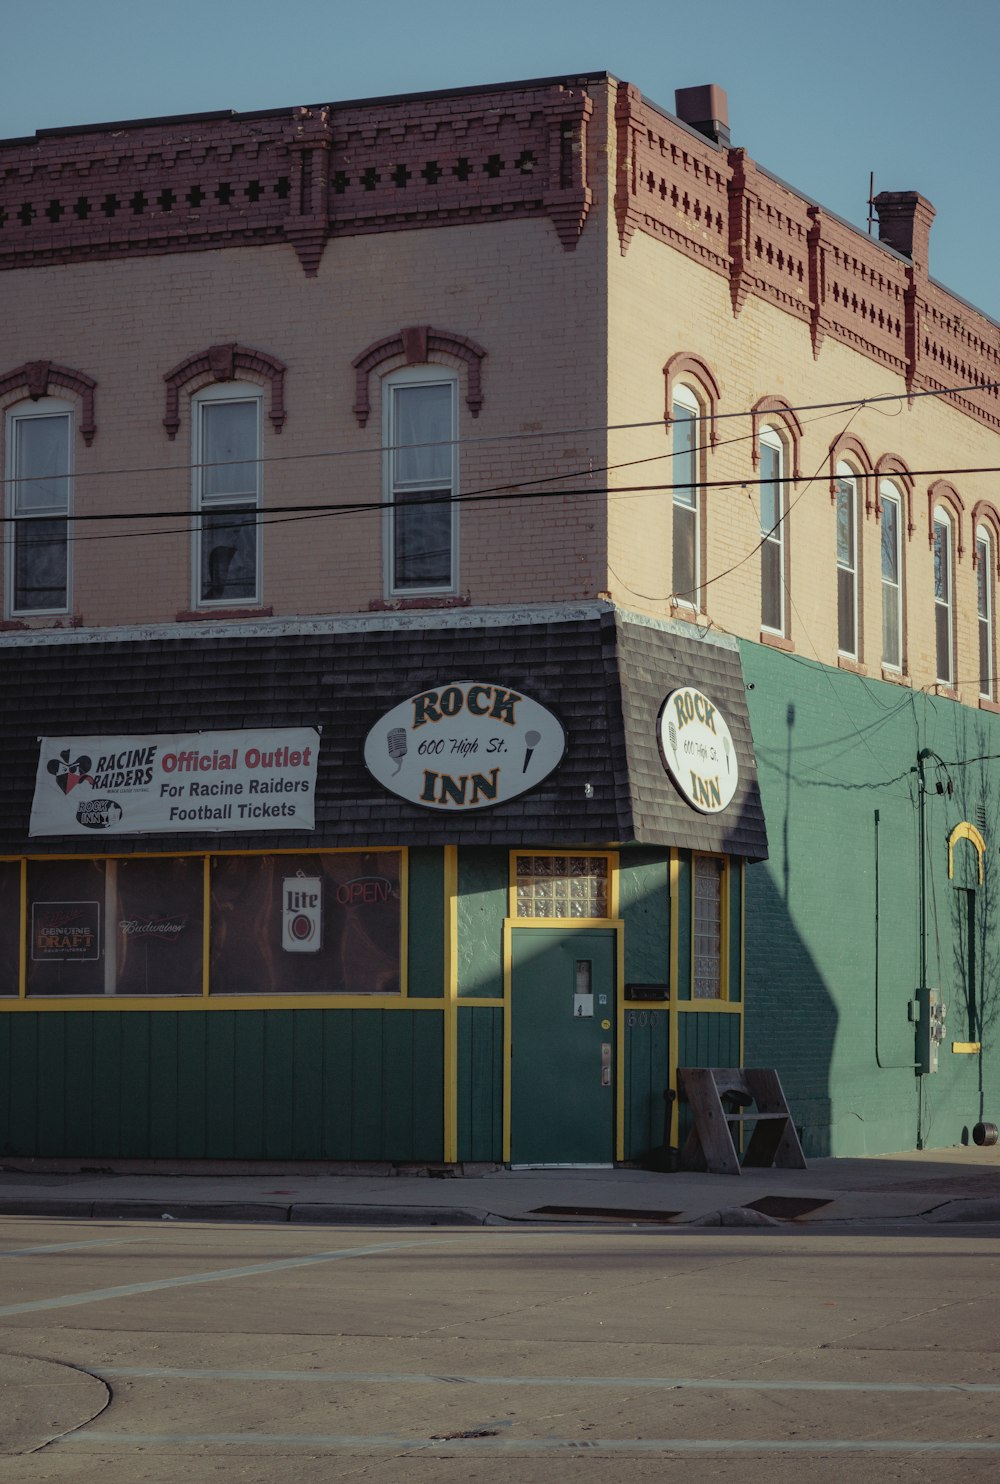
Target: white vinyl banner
[(191, 783)]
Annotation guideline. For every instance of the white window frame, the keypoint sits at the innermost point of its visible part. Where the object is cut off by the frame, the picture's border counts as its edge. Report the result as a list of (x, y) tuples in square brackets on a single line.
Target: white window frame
[(774, 537), (412, 376), (892, 593), (847, 487), (943, 522), (985, 598), (18, 414), (684, 399), (233, 392)]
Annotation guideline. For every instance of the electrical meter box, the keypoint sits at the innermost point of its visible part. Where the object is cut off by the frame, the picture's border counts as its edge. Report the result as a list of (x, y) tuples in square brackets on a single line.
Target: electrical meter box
[(930, 1028)]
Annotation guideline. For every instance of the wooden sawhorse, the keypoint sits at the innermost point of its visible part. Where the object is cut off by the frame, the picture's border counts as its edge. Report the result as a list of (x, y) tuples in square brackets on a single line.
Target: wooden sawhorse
[(721, 1097)]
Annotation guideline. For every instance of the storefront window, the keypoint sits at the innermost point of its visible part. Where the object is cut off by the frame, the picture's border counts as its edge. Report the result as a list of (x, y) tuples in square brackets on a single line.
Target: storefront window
[(158, 925), (562, 886), (127, 927), (306, 924), (709, 874), (66, 927)]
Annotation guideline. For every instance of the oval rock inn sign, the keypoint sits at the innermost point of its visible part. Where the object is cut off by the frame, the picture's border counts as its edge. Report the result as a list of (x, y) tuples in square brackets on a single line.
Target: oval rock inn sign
[(697, 749), (466, 744)]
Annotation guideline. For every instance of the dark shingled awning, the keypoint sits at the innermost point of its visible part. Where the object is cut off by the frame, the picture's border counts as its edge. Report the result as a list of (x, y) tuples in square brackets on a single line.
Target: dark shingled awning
[(604, 675)]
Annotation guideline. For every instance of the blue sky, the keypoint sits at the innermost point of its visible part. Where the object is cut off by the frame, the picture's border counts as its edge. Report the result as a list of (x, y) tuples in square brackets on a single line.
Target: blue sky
[(819, 94)]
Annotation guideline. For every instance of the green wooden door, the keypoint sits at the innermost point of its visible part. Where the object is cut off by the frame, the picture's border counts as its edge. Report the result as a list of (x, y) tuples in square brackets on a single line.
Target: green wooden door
[(562, 1046)]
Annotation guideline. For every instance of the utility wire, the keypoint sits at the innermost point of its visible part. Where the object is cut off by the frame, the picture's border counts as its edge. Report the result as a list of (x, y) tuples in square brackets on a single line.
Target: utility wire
[(521, 437)]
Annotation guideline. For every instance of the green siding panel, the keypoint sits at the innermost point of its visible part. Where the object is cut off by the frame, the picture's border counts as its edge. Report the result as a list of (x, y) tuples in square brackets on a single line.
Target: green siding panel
[(480, 1084), (705, 1040), (425, 975), (644, 906), (482, 907), (268, 1084), (647, 1041)]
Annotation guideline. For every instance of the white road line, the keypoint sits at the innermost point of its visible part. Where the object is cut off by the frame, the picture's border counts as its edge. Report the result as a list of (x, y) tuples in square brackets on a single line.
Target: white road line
[(220, 1275), (69, 1246), (617, 1383), (103, 1439)]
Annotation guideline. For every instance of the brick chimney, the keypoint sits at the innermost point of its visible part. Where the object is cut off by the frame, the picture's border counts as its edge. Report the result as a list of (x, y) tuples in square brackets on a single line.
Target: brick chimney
[(904, 222), (705, 109)]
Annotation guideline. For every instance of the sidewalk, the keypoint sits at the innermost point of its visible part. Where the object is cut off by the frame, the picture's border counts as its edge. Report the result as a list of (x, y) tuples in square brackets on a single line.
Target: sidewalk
[(928, 1186)]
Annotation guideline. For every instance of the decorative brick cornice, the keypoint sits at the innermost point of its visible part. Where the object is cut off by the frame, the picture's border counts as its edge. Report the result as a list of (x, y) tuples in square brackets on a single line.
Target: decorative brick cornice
[(36, 378), (299, 176), (692, 369), (943, 493), (849, 448), (776, 409), (226, 363), (417, 345), (669, 182)]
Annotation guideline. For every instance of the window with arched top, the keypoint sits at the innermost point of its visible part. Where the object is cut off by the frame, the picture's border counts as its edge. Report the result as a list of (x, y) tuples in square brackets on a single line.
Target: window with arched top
[(227, 494), (420, 420), (38, 446), (773, 536), (944, 601), (685, 477), (846, 497), (986, 609), (891, 516)]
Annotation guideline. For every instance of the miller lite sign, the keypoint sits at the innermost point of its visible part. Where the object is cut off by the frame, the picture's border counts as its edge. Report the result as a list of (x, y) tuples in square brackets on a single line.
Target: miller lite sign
[(302, 914)]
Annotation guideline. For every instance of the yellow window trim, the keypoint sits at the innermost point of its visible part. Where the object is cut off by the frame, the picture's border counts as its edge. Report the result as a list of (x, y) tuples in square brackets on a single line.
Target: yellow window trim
[(966, 831)]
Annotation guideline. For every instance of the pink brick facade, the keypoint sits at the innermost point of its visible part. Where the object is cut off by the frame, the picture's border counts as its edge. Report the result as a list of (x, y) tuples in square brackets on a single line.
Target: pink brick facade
[(593, 253)]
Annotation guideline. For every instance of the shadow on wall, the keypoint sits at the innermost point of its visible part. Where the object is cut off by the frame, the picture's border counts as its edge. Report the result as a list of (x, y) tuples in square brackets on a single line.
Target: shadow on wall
[(791, 1020)]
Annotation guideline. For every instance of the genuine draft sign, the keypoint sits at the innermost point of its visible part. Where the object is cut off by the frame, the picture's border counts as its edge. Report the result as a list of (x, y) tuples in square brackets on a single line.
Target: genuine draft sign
[(191, 783)]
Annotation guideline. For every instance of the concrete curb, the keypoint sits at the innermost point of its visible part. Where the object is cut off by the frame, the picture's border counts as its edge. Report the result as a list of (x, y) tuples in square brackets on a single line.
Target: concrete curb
[(348, 1215), (319, 1214), (965, 1210)]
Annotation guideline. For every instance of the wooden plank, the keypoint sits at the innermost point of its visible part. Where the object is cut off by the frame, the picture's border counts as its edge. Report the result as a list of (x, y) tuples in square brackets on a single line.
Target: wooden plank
[(710, 1138)]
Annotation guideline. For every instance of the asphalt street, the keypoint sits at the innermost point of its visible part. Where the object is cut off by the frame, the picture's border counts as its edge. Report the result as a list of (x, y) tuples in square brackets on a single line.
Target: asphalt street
[(175, 1351)]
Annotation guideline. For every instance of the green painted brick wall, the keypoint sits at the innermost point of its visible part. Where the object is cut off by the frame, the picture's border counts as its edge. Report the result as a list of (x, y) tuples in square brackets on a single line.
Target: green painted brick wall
[(833, 917)]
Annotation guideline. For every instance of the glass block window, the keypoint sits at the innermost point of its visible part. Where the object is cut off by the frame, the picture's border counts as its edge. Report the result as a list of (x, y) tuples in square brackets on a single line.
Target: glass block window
[(562, 886), (709, 873)]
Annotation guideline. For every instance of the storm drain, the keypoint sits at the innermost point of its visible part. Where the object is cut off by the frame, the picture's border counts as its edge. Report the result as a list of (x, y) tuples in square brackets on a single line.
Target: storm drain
[(605, 1213), (786, 1207)]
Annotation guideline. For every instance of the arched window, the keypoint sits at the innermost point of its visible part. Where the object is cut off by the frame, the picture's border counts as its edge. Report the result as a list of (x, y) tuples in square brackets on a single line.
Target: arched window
[(891, 515), (419, 410), (985, 610), (848, 642), (944, 602), (686, 442), (226, 431), (773, 548), (39, 472)]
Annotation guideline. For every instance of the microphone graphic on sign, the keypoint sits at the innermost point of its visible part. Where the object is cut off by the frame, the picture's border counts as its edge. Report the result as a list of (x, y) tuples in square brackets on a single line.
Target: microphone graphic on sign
[(672, 736), (531, 741), (396, 742), (725, 743)]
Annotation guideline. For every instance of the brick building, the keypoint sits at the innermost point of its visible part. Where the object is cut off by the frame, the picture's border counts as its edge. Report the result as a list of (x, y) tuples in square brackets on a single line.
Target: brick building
[(495, 582)]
